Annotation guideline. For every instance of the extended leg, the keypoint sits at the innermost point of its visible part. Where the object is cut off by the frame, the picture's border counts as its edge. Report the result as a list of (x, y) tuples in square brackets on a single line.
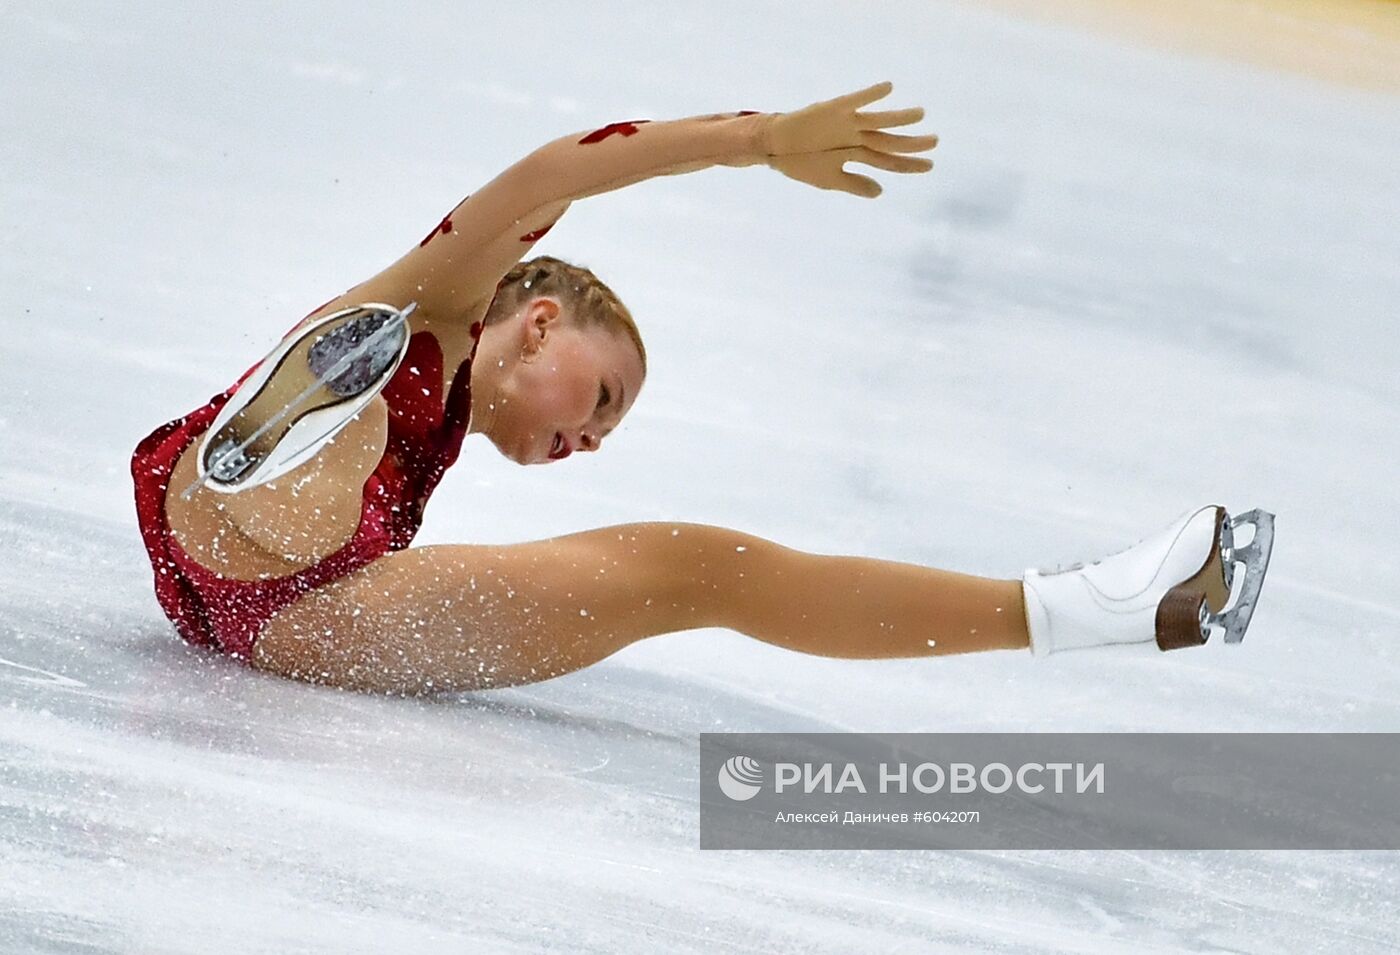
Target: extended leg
[(473, 616)]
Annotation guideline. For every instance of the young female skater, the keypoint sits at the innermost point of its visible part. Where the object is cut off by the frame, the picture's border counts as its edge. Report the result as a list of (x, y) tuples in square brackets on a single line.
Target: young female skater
[(278, 516)]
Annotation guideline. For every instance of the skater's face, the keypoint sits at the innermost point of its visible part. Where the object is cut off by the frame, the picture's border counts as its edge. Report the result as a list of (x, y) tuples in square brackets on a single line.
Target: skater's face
[(550, 387)]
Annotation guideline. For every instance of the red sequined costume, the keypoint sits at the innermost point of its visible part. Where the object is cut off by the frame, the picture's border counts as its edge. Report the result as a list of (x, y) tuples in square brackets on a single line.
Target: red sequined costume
[(458, 263), (425, 438)]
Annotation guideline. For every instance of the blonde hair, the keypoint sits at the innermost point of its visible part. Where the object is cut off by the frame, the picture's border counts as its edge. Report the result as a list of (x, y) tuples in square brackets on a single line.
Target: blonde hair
[(590, 302)]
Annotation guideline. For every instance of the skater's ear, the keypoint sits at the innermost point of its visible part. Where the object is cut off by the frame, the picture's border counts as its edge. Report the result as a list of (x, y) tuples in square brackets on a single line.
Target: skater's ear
[(538, 317), (542, 311)]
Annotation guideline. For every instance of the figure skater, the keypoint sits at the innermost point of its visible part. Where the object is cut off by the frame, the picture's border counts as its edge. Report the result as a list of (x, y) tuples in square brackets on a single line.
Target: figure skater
[(278, 516)]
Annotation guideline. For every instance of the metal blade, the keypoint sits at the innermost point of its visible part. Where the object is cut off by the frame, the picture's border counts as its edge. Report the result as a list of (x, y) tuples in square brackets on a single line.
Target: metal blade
[(232, 454), (1255, 557)]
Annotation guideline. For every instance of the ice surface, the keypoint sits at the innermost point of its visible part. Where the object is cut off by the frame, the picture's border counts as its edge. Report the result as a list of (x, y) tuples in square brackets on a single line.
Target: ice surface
[(1134, 282)]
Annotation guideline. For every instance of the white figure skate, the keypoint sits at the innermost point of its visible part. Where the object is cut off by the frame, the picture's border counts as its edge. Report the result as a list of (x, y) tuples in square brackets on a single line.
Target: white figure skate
[(302, 395), (1175, 587)]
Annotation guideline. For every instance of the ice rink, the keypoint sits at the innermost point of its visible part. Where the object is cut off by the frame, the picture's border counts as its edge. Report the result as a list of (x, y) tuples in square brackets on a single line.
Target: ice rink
[(1139, 278)]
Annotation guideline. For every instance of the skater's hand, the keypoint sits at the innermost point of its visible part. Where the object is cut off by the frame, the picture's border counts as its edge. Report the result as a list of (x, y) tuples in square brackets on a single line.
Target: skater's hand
[(812, 144)]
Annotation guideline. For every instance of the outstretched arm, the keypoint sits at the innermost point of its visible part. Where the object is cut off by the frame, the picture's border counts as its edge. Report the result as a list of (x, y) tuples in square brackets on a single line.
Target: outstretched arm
[(463, 257), (460, 261)]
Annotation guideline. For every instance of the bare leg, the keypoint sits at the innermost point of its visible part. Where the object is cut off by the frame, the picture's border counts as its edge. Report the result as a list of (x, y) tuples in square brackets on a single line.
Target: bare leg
[(456, 617)]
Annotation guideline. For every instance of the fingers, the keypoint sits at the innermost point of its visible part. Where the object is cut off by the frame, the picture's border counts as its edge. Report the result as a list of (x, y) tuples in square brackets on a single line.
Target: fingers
[(859, 185), (865, 186), (868, 95), (891, 143), (893, 163), (887, 118)]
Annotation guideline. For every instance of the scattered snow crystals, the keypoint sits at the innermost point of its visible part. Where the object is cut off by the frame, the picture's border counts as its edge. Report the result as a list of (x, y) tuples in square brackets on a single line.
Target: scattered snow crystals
[(278, 739), (741, 548)]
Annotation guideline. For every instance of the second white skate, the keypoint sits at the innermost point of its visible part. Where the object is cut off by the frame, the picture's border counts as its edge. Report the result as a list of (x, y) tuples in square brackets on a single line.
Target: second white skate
[(1175, 588)]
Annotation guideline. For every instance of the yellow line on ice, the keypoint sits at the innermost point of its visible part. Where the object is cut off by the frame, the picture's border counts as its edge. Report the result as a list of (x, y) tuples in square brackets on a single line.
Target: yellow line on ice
[(1354, 43)]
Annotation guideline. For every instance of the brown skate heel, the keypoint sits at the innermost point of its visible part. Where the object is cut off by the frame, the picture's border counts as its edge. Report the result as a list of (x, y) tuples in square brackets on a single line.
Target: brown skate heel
[(332, 361), (1184, 612)]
